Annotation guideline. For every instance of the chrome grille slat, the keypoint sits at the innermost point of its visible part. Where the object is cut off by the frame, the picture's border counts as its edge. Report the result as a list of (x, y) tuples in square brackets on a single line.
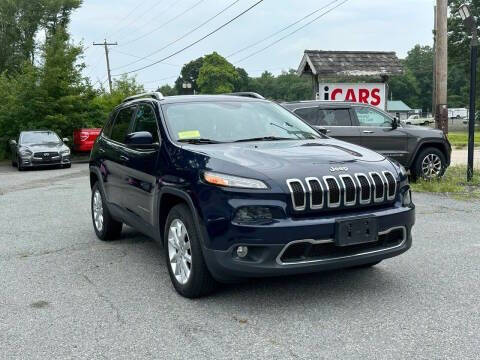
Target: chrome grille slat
[(364, 188), (331, 190), (391, 185), (294, 191), (315, 192), (377, 187), (347, 182)]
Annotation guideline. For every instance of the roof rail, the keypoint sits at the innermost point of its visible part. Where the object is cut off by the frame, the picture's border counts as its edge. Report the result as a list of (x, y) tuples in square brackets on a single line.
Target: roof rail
[(250, 94), (154, 94)]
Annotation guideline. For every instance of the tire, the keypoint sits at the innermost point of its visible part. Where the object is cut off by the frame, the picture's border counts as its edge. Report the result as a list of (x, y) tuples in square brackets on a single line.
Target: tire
[(192, 279), (424, 159), (19, 165), (68, 166), (110, 228)]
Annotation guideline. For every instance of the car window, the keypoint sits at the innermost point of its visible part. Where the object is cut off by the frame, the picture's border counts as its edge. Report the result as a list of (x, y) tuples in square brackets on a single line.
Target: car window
[(146, 121), (334, 117), (229, 121), (107, 129), (122, 124), (39, 137), (371, 117), (310, 115)]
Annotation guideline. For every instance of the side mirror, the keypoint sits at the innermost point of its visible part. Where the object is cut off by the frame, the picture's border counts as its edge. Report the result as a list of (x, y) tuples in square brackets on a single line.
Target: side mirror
[(395, 123), (322, 130), (139, 139), (65, 140), (13, 143)]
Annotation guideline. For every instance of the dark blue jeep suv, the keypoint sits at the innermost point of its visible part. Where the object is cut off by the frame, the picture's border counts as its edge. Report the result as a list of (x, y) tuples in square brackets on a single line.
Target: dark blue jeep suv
[(237, 187)]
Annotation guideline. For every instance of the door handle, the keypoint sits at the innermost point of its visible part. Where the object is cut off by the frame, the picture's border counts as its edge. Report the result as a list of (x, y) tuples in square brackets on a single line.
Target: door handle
[(101, 150), (368, 132), (124, 158)]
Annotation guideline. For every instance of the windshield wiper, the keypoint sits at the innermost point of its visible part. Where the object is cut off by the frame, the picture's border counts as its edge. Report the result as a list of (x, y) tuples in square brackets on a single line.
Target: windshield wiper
[(199, 141), (265, 138)]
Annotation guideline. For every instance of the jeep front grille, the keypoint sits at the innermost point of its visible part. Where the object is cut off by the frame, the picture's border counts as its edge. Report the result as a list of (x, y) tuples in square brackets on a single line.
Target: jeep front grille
[(345, 190)]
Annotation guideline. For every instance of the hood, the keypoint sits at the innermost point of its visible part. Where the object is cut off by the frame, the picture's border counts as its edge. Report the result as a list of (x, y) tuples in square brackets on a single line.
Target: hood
[(286, 159), (44, 147), (422, 131)]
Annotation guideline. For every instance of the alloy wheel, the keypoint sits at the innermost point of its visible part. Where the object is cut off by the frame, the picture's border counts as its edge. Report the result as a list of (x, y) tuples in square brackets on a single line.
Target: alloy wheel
[(179, 251), (98, 210), (431, 166)]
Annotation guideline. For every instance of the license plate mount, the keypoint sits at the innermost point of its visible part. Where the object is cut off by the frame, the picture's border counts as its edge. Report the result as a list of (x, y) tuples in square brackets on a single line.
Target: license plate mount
[(354, 231)]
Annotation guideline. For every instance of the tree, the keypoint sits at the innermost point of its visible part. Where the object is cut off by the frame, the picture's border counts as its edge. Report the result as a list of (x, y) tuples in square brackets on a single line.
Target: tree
[(167, 90), (243, 82), (189, 73), (217, 75)]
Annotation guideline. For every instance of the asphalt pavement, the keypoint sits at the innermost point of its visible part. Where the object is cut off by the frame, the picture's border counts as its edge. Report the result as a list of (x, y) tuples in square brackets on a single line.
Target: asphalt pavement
[(66, 295)]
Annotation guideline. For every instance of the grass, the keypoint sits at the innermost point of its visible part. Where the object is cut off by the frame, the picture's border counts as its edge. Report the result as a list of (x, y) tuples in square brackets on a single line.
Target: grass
[(454, 183), (459, 139)]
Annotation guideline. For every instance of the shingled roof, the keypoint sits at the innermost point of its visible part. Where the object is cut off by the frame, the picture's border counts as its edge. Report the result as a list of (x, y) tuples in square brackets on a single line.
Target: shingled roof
[(350, 63)]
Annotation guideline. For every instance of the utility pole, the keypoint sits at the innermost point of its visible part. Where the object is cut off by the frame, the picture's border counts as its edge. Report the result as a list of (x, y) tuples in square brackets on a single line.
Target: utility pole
[(441, 67), (106, 45), (434, 90)]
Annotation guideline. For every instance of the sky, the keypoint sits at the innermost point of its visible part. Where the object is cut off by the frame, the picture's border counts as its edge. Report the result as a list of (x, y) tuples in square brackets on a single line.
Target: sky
[(143, 27)]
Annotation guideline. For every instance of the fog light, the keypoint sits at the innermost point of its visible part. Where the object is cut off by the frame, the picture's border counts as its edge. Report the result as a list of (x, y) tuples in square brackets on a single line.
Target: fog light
[(407, 198), (253, 215), (242, 251)]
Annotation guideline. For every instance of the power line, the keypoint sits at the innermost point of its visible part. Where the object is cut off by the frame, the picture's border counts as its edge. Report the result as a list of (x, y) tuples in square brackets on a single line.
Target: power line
[(158, 80), (139, 17), (126, 16), (165, 23), (181, 37), (291, 33), (282, 30), (194, 43), (140, 57)]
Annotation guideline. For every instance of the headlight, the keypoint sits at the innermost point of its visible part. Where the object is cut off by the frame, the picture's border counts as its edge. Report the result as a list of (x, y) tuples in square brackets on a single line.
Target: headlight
[(65, 152), (402, 170), (233, 181), (253, 215), (26, 152)]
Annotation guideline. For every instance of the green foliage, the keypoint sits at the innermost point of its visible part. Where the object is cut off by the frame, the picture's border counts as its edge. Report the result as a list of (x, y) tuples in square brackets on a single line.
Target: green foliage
[(454, 183), (189, 73), (167, 90), (459, 139), (287, 86), (217, 75), (122, 88)]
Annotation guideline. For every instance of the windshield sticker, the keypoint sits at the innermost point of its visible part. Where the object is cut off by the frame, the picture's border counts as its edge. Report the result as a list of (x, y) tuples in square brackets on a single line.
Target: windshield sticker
[(192, 134)]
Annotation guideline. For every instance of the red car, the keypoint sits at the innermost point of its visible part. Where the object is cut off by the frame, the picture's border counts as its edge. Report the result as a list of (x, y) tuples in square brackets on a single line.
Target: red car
[(83, 139)]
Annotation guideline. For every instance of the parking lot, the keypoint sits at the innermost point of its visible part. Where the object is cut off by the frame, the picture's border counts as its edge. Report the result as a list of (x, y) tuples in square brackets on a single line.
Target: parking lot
[(64, 294)]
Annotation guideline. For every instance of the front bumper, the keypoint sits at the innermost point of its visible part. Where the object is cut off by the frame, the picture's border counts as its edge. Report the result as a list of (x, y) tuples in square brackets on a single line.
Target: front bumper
[(30, 162), (267, 244)]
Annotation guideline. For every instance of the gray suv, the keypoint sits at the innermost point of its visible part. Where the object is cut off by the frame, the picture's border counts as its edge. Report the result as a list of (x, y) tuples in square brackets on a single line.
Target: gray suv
[(424, 151)]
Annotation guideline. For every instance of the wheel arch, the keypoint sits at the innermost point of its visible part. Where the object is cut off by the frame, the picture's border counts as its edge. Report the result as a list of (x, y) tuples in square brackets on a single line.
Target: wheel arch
[(170, 197), (430, 144)]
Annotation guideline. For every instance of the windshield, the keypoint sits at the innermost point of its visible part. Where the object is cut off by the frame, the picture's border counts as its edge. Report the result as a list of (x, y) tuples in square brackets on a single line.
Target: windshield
[(231, 121), (44, 137)]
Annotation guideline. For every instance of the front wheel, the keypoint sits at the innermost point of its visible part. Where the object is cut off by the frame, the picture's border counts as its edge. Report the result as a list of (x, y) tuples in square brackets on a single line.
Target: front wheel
[(183, 253), (430, 164), (106, 228), (19, 165)]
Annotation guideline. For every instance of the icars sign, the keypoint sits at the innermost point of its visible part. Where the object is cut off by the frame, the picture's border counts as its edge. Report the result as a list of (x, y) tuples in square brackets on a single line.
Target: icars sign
[(366, 93)]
